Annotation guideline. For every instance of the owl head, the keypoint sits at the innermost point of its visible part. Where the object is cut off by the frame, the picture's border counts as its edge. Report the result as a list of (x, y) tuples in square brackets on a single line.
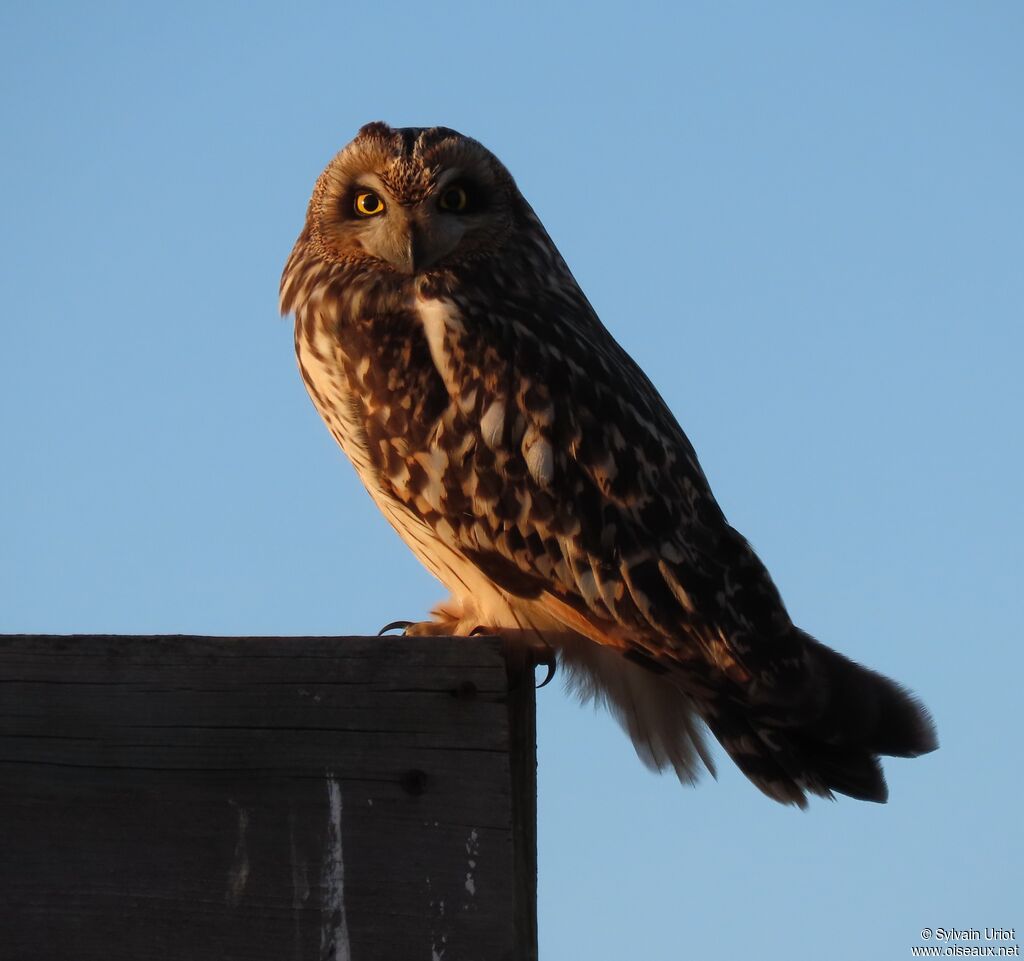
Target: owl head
[(412, 199)]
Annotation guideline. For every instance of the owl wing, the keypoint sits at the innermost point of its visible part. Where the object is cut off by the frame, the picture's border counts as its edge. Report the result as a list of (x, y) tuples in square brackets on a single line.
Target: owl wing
[(566, 480)]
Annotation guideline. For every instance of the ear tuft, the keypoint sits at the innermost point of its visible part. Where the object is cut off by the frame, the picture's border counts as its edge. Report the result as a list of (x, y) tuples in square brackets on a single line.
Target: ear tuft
[(378, 130)]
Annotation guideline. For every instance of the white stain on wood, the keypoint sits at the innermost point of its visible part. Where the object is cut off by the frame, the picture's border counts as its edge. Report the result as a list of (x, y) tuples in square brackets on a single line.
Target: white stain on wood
[(300, 886), (334, 944), (438, 943), (472, 850), (238, 873)]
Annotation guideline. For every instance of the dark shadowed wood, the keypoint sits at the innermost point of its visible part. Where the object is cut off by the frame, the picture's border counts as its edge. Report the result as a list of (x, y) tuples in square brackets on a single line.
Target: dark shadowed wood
[(266, 799)]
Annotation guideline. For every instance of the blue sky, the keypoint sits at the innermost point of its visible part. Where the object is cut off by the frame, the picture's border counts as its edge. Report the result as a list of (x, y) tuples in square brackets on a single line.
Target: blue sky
[(804, 220)]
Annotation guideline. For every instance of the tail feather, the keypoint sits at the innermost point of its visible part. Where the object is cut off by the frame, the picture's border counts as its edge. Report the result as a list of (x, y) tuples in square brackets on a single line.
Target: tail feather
[(848, 771), (861, 707), (765, 762), (828, 736), (820, 731)]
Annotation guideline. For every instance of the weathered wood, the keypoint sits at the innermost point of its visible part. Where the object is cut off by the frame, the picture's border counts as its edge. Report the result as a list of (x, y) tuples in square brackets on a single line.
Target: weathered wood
[(266, 798)]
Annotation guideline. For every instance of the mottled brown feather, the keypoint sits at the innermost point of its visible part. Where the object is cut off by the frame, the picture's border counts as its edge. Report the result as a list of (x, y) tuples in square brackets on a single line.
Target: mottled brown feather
[(535, 469)]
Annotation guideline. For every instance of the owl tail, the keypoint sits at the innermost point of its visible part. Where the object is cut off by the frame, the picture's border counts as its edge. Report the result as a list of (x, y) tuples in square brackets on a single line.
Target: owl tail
[(828, 736)]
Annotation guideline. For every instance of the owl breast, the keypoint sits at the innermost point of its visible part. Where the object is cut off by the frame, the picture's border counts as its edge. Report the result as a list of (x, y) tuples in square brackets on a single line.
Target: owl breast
[(374, 381)]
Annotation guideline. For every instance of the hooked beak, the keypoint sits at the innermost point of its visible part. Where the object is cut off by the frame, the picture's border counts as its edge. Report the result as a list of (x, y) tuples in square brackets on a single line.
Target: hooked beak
[(418, 254), (422, 242)]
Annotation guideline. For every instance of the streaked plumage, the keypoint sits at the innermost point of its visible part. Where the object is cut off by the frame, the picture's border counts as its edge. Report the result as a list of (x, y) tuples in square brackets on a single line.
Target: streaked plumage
[(533, 469)]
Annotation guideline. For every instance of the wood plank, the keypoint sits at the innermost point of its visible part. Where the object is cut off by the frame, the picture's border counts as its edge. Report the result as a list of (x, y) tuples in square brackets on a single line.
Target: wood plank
[(266, 798)]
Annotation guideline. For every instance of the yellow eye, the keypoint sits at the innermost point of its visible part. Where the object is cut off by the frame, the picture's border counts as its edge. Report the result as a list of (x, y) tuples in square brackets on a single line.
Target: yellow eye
[(368, 204), (454, 199)]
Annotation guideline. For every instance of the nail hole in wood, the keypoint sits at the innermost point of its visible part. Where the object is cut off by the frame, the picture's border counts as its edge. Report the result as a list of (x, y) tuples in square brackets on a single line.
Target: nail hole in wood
[(414, 782), (466, 691)]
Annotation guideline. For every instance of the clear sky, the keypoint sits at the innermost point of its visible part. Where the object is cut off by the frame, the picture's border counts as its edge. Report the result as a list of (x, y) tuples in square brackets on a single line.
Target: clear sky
[(804, 220)]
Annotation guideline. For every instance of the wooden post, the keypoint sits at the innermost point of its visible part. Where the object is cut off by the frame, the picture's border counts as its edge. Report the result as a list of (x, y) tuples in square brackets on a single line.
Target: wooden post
[(287, 799)]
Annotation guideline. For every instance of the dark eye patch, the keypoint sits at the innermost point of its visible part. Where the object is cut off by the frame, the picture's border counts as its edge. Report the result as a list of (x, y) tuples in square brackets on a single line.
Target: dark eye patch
[(475, 194)]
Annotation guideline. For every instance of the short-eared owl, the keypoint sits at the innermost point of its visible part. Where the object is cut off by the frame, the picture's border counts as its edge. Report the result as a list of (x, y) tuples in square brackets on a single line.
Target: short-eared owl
[(537, 473)]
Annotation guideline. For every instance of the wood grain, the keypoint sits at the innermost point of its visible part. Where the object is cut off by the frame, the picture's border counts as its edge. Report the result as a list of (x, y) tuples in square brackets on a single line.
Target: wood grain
[(266, 798)]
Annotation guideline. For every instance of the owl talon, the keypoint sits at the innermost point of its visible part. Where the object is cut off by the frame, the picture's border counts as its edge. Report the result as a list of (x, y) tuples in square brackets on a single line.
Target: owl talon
[(549, 660), (525, 657), (404, 625)]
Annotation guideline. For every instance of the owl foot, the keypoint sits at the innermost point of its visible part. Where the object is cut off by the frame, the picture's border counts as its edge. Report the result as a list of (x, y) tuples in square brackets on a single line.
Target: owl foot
[(523, 650), (433, 629), (524, 655), (450, 619), (422, 628)]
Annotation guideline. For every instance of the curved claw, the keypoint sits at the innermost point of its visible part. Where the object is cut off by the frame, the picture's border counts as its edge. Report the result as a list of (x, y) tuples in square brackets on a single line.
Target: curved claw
[(550, 663), (394, 624), (524, 658)]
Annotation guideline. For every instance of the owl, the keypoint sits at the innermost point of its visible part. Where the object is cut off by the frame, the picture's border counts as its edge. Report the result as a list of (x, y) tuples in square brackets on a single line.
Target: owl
[(533, 468)]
